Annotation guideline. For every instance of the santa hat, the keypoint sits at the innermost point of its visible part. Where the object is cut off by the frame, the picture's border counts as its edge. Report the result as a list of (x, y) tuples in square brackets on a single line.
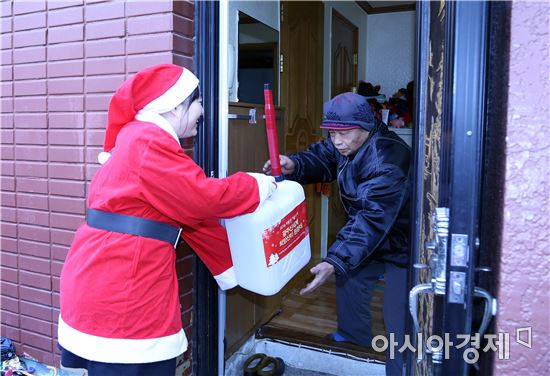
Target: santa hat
[(157, 89)]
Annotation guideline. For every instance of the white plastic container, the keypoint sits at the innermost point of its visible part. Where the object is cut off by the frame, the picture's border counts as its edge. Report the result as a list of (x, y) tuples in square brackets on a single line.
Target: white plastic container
[(271, 245)]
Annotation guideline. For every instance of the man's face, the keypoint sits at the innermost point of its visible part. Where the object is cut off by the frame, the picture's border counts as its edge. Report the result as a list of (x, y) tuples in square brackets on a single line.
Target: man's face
[(348, 142)]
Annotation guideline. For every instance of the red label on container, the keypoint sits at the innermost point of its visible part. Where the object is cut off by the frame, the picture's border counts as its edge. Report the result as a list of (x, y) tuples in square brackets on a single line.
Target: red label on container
[(282, 237)]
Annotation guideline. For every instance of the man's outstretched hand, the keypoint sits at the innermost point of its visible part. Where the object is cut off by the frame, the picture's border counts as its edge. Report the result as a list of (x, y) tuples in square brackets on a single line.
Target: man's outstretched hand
[(321, 271), (287, 166)]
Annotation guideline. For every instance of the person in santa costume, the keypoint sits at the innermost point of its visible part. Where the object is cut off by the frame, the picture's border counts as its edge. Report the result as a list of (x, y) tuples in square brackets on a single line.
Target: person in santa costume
[(119, 306)]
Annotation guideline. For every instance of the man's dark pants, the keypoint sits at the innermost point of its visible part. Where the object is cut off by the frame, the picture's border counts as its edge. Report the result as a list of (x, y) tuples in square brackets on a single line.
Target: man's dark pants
[(353, 296)]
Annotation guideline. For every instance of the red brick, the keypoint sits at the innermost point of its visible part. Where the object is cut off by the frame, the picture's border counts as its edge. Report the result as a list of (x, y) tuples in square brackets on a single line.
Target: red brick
[(43, 356), (184, 8), (20, 7), (64, 171), (6, 73), (106, 29), (36, 310), (67, 188), (184, 26), (9, 318), (105, 47), (9, 289), (65, 221), (138, 62), (6, 89), (63, 4), (104, 84), (62, 237), (35, 233), (34, 169), (95, 137), (66, 137), (66, 154), (6, 136), (32, 201), (31, 153), (31, 136), (105, 65), (7, 183), (33, 217), (65, 16), (91, 169), (6, 120), (9, 304), (31, 121), (7, 168), (184, 45), (56, 284), (56, 269), (7, 152), (63, 34), (95, 102), (5, 42), (38, 341), (69, 120), (29, 55), (31, 87), (64, 103), (184, 61), (29, 38), (32, 185), (67, 205), (66, 86), (36, 326), (137, 8), (30, 21), (26, 71), (31, 248), (6, 56), (66, 68), (8, 258), (8, 214), (35, 264), (66, 51), (92, 153), (7, 198), (10, 332), (105, 11), (149, 43), (96, 119), (37, 280), (6, 105), (59, 252), (30, 104), (5, 8), (150, 24), (9, 275)]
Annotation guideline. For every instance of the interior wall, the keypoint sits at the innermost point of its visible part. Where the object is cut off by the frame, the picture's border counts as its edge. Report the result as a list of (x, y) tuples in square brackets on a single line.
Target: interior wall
[(390, 52), (264, 11)]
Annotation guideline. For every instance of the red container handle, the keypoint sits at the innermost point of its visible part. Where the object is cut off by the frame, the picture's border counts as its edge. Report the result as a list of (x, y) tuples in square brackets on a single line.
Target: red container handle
[(271, 129)]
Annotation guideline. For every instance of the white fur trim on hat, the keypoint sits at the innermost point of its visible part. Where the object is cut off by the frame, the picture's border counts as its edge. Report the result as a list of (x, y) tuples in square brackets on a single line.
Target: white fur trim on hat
[(184, 87)]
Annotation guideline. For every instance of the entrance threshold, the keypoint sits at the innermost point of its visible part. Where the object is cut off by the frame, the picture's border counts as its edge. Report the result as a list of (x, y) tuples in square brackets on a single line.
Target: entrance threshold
[(304, 360)]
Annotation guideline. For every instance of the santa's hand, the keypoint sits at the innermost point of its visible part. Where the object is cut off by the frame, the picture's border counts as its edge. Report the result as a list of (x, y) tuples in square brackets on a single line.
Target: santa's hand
[(321, 271), (266, 185)]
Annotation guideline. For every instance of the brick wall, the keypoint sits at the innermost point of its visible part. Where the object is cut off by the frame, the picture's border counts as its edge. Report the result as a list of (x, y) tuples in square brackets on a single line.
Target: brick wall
[(60, 63)]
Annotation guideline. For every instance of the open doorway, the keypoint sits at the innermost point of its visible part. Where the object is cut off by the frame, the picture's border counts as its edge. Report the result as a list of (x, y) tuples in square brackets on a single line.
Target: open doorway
[(323, 49)]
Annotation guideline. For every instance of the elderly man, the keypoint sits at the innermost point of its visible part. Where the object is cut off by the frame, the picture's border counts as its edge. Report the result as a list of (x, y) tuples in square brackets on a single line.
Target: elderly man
[(371, 165)]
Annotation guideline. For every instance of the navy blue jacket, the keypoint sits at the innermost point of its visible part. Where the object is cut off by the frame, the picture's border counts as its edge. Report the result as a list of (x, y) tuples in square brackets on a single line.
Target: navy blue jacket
[(374, 190)]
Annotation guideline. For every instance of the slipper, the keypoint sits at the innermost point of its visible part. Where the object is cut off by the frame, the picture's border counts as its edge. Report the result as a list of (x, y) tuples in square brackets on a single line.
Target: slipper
[(271, 367), (252, 364), (336, 337)]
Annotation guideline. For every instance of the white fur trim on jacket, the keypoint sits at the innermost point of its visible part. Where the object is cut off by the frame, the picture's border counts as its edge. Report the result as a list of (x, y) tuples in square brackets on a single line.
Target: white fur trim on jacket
[(119, 350), (227, 280), (266, 185)]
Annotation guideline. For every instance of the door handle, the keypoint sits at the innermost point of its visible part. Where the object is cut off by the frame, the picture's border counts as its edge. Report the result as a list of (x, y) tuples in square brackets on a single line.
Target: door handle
[(489, 311)]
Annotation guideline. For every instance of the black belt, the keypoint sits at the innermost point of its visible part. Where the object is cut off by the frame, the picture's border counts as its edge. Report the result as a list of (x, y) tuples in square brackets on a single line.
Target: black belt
[(128, 224)]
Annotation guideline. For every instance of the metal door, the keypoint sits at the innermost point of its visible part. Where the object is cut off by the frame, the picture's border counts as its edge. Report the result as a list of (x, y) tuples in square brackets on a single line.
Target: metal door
[(452, 49)]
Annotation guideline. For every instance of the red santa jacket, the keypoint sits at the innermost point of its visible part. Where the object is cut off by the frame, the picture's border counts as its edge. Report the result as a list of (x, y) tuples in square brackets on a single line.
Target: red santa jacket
[(119, 292)]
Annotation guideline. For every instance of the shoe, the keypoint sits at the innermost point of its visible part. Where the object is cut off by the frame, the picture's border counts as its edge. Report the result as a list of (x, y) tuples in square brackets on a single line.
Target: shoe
[(252, 364), (271, 367), (336, 337)]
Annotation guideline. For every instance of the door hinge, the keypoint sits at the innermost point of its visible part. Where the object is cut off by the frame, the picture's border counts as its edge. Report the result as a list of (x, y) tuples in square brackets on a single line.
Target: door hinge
[(355, 59), (281, 63), (282, 13)]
